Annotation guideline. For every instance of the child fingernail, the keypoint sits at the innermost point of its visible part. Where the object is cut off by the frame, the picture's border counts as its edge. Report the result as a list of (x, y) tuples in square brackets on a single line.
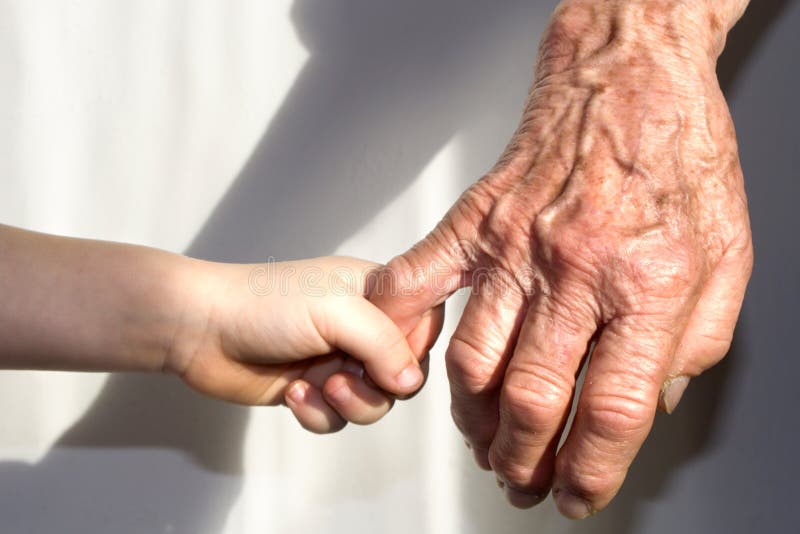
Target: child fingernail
[(340, 395), (409, 377), (296, 392)]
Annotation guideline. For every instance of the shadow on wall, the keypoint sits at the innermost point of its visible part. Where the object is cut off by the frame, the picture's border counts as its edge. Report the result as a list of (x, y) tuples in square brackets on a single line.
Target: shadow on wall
[(744, 39), (387, 84)]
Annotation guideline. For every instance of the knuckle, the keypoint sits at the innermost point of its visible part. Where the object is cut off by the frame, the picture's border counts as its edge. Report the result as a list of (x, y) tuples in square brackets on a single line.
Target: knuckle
[(505, 236), (618, 417), (716, 347), (477, 201), (404, 273), (652, 272), (553, 227), (741, 247), (664, 273), (595, 483), (479, 431), (471, 370), (345, 281), (512, 472), (390, 338), (564, 243), (411, 272), (504, 217), (536, 397), (701, 354), (570, 310), (432, 261)]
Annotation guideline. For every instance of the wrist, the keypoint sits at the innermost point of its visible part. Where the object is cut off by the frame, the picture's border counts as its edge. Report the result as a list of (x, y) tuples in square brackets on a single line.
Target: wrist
[(191, 292), (151, 306), (85, 305), (693, 29)]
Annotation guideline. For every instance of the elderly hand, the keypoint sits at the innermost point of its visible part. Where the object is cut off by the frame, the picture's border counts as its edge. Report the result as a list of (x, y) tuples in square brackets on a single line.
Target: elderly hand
[(616, 219)]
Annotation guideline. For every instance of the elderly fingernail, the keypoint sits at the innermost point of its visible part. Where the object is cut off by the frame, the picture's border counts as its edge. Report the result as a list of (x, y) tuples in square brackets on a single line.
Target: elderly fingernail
[(410, 377), (571, 506), (672, 393), (521, 499)]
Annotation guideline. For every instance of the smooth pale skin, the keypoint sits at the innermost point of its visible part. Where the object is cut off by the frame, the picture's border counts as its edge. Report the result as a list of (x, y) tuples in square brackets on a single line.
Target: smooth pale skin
[(73, 304), (616, 217)]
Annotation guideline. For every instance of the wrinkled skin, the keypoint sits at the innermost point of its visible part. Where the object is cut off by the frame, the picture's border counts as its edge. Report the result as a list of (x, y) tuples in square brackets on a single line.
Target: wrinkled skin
[(616, 219)]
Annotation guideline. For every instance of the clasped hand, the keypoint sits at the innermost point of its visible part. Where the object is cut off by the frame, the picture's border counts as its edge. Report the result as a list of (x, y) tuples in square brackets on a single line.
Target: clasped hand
[(616, 219)]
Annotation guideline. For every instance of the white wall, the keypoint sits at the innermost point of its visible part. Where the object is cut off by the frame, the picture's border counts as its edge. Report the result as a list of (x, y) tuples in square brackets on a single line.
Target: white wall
[(238, 130)]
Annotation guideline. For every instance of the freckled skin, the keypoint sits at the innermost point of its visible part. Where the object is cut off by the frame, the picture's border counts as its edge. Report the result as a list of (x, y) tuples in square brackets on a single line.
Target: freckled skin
[(616, 218)]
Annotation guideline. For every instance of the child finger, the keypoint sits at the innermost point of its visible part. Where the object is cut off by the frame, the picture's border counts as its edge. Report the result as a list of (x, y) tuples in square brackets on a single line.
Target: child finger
[(360, 329), (311, 410), (354, 400)]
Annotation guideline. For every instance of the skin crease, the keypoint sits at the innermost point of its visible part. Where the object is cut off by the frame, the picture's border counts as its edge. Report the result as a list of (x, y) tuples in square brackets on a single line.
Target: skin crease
[(616, 217)]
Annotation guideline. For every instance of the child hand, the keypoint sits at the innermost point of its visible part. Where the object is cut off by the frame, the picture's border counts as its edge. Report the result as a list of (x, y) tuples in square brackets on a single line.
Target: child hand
[(297, 332)]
